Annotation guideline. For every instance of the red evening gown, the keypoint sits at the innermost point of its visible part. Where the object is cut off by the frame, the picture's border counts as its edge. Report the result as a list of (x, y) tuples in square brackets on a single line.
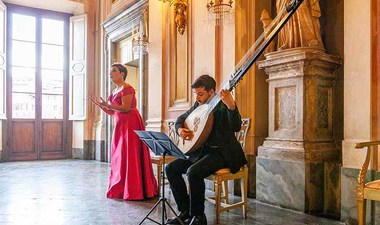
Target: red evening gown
[(131, 175)]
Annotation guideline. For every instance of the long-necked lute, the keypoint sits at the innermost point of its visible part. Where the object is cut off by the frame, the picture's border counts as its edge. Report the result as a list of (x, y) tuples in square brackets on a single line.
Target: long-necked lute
[(200, 121)]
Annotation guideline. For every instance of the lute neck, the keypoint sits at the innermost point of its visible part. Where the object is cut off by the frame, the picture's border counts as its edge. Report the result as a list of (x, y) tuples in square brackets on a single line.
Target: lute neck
[(255, 51)]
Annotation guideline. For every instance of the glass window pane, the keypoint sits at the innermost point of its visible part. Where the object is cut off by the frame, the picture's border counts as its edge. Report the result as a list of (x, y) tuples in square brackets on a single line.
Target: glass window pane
[(23, 105), (52, 81), (52, 106), (23, 54), (23, 80), (52, 57), (52, 31), (23, 27)]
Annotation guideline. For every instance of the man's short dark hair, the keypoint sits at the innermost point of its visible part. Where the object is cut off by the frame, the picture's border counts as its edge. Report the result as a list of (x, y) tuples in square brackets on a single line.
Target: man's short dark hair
[(205, 81)]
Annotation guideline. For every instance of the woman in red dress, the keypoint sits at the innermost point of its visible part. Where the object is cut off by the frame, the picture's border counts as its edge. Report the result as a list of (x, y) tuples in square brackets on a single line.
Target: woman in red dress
[(131, 175)]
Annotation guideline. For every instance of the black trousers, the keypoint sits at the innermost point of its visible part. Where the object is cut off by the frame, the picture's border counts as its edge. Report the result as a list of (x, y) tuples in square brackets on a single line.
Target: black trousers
[(208, 163)]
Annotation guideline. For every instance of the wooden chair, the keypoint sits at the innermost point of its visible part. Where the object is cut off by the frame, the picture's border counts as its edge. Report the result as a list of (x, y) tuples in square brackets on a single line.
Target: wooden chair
[(370, 190), (221, 178), (159, 160)]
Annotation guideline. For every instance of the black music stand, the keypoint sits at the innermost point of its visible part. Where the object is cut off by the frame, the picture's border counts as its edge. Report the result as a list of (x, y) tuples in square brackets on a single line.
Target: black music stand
[(160, 144)]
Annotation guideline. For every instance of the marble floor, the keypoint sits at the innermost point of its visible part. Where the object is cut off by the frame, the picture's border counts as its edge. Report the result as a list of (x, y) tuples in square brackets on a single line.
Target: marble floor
[(73, 192)]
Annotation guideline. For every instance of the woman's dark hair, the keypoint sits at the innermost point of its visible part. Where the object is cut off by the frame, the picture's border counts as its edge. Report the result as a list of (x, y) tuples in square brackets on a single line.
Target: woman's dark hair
[(122, 69), (205, 81)]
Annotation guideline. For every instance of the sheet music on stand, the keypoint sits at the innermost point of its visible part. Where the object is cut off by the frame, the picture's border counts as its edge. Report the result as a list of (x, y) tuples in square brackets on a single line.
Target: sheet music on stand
[(159, 142)]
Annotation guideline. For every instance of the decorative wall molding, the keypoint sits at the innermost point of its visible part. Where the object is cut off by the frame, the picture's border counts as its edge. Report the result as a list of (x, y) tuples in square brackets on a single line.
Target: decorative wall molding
[(118, 24), (179, 54), (154, 124)]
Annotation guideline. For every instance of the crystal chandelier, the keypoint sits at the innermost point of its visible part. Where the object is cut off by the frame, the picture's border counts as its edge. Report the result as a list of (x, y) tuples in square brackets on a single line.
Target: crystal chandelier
[(219, 9)]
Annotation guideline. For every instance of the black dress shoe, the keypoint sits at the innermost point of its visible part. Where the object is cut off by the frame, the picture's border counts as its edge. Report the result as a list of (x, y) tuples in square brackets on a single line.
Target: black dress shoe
[(184, 216), (199, 220)]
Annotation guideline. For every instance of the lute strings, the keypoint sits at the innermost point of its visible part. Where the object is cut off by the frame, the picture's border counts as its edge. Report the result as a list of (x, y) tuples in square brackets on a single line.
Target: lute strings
[(259, 42)]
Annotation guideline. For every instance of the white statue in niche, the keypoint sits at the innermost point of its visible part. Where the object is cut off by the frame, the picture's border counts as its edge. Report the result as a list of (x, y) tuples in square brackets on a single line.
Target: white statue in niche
[(303, 28)]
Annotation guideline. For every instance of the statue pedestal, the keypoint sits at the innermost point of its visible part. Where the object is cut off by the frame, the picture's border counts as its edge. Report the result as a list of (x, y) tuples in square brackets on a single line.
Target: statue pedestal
[(293, 161)]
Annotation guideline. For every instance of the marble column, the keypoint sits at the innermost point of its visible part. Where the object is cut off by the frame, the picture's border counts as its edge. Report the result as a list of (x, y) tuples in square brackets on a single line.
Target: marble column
[(297, 163)]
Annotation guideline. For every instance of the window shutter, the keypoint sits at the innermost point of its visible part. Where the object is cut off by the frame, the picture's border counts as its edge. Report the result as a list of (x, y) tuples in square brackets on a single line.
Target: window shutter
[(78, 67), (2, 60)]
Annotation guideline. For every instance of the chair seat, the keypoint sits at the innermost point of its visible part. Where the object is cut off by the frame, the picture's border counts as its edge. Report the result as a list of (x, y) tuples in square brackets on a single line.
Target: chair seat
[(373, 185), (371, 190), (225, 175), (223, 171), (226, 171), (159, 159)]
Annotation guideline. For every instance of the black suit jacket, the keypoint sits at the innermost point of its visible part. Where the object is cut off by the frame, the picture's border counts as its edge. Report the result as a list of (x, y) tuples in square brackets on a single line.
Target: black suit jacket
[(226, 123)]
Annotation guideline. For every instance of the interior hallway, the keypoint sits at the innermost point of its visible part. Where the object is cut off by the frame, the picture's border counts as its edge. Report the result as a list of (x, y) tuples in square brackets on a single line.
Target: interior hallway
[(73, 192)]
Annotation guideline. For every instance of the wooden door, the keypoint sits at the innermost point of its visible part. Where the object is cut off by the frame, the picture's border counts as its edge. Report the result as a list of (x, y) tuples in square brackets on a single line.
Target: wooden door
[(37, 84)]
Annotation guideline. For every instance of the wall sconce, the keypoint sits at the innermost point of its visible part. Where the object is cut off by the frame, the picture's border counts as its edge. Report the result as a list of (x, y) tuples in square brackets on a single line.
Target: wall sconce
[(219, 10), (180, 13), (141, 43)]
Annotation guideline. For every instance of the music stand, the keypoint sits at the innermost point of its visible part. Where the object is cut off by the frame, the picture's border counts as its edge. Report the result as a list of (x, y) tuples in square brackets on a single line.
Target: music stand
[(160, 144)]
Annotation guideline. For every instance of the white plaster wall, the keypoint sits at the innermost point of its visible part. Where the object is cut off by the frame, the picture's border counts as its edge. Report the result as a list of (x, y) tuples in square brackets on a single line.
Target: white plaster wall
[(154, 114), (228, 49), (78, 134), (356, 80), (204, 40), (132, 79)]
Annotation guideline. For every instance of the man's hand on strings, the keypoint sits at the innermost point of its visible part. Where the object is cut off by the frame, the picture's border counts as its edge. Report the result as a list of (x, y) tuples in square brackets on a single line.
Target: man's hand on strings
[(227, 99)]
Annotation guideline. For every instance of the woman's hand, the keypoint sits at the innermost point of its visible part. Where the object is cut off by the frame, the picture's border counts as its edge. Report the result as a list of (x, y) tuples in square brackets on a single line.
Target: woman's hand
[(227, 99), (99, 101)]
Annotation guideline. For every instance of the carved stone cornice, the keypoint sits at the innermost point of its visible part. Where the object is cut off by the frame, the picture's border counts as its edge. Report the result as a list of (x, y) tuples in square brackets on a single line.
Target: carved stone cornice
[(299, 62), (117, 24)]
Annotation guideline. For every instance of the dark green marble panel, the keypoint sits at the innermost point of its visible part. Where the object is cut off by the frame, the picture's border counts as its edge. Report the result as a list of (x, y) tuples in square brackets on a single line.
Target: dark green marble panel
[(281, 183), (313, 188)]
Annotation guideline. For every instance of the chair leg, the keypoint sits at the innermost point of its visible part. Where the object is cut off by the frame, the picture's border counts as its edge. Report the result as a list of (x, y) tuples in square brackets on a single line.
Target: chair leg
[(244, 192), (361, 211), (225, 191), (217, 200)]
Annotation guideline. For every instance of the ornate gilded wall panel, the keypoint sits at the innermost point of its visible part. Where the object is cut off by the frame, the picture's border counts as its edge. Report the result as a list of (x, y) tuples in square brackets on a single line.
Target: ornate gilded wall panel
[(178, 60), (179, 82)]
